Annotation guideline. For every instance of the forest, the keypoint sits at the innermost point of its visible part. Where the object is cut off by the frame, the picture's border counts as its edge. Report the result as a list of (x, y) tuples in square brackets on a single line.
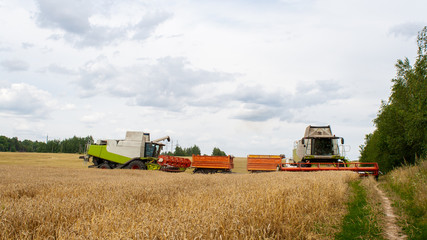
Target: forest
[(78, 145), (400, 136), (70, 145)]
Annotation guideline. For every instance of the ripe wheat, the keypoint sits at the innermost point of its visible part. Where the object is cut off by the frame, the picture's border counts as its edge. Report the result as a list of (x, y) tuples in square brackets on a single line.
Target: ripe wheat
[(66, 203)]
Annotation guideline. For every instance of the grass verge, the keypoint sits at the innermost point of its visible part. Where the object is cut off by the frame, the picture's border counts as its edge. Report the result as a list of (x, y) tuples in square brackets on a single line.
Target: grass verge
[(361, 221), (407, 188)]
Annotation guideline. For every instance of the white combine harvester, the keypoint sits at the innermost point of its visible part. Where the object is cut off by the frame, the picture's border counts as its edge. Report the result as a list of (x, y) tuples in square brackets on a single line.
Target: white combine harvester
[(320, 150)]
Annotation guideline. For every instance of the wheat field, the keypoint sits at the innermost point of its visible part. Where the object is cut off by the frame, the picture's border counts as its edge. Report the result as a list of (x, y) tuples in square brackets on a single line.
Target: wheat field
[(52, 202)]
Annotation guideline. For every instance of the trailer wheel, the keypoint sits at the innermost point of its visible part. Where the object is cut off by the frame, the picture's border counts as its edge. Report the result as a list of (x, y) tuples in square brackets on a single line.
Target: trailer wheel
[(137, 165), (104, 166)]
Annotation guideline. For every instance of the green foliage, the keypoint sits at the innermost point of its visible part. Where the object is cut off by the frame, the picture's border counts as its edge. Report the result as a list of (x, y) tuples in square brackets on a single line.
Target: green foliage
[(357, 223), (217, 152), (71, 145), (169, 153), (409, 185), (193, 150), (179, 151), (401, 123), (186, 151)]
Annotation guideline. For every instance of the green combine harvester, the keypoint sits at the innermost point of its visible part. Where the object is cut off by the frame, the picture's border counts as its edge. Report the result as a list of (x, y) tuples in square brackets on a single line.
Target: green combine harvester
[(136, 151)]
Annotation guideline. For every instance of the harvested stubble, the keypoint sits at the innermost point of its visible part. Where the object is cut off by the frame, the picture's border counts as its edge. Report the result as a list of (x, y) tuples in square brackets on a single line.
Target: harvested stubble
[(41, 203)]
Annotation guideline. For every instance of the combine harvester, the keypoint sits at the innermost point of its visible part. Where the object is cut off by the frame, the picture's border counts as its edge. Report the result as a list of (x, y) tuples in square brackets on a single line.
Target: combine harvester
[(319, 150), (136, 151), (212, 164), (264, 163)]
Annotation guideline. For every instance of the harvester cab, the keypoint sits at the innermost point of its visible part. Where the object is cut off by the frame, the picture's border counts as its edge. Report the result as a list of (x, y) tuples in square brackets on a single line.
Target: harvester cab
[(136, 151), (320, 150), (319, 145)]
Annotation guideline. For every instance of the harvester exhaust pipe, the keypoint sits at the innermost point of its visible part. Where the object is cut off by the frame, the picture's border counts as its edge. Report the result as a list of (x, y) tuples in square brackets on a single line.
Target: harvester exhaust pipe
[(161, 139)]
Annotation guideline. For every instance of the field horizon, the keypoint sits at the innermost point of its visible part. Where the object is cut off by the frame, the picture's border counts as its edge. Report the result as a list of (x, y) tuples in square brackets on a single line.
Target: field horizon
[(72, 160)]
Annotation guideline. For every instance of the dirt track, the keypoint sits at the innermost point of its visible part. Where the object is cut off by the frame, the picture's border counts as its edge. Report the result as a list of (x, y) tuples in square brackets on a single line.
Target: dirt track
[(392, 230)]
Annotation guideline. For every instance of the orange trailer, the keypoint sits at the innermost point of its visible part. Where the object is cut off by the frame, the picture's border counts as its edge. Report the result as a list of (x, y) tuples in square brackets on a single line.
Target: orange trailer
[(212, 164), (263, 163)]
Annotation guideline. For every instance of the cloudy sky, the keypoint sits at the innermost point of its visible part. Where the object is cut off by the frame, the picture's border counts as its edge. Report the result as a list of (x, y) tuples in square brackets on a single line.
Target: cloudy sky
[(244, 76)]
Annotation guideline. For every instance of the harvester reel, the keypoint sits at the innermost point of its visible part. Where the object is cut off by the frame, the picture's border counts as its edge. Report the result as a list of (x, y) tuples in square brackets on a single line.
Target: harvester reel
[(173, 164)]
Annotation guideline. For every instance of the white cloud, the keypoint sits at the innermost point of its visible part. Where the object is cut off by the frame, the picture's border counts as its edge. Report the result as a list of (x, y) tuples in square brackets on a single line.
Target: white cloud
[(55, 68), (23, 100), (145, 27), (15, 65), (27, 45), (71, 16), (93, 117), (68, 106), (169, 83), (245, 76), (85, 24), (407, 30), (260, 104), (173, 84)]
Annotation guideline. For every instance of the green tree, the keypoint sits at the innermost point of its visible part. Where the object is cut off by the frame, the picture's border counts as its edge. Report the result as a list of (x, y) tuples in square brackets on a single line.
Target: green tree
[(27, 146), (217, 152), (186, 151), (53, 146), (40, 146), (75, 144), (71, 145), (401, 123), (179, 151), (169, 153), (4, 144), (192, 150), (14, 144)]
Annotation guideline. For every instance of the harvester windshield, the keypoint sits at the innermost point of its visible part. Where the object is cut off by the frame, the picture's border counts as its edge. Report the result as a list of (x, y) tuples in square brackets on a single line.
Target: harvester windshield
[(322, 146), (152, 149)]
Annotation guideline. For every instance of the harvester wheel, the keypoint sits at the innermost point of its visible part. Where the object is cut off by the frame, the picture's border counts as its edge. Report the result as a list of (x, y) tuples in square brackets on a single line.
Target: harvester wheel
[(104, 166), (137, 165)]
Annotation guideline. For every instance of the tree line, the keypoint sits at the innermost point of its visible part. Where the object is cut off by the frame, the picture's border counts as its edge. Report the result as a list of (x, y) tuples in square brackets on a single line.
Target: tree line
[(70, 145), (78, 145), (179, 151), (401, 124)]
